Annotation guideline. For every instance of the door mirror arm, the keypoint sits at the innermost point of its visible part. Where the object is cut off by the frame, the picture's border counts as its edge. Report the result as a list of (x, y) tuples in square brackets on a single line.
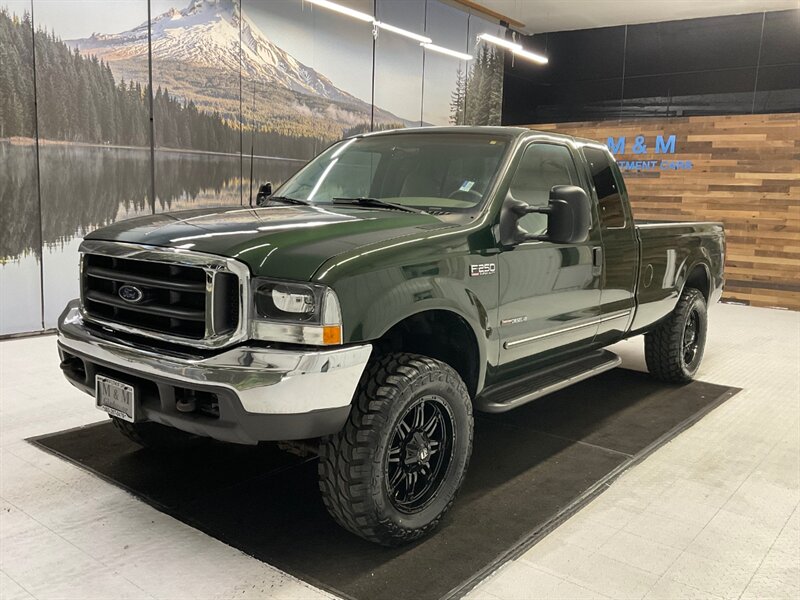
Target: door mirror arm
[(509, 231)]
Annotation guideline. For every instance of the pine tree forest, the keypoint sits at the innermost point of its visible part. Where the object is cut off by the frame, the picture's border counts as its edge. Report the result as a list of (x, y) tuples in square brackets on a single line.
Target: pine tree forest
[(478, 96), (80, 101)]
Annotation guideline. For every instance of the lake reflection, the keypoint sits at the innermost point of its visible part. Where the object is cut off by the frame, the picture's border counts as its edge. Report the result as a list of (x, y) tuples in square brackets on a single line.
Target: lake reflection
[(20, 291), (83, 188)]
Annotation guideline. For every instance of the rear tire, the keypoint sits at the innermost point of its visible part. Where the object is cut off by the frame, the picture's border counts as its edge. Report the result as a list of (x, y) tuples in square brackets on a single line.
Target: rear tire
[(152, 435), (674, 349), (395, 468)]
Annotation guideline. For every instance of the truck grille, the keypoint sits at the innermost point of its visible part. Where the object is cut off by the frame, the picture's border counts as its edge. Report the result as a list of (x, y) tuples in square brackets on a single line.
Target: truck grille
[(199, 304)]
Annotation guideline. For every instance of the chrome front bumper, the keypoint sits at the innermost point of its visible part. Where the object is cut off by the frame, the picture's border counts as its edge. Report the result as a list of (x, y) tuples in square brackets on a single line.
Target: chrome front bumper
[(264, 381)]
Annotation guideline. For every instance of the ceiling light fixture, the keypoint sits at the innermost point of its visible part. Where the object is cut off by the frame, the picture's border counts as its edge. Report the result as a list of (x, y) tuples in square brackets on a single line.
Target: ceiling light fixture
[(356, 14), (414, 36), (424, 40), (538, 58), (517, 49), (486, 37), (441, 50)]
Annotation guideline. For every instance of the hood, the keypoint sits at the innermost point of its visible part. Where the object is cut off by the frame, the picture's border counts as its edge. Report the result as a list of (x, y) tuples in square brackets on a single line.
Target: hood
[(288, 242)]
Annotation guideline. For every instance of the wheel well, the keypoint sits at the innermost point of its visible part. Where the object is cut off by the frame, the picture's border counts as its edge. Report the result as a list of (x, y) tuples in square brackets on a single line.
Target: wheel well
[(698, 279), (438, 334)]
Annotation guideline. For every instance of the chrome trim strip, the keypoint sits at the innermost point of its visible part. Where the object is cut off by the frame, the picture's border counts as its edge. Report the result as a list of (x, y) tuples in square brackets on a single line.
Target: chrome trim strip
[(210, 325), (658, 225), (210, 263), (611, 317), (266, 380)]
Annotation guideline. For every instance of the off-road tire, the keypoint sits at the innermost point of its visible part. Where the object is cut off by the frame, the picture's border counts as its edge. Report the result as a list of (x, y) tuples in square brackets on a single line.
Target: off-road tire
[(352, 464), (152, 435), (664, 345)]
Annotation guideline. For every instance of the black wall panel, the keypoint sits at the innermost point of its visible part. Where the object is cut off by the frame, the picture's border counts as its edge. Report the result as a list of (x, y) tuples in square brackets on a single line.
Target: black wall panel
[(693, 45), (693, 93), (569, 59), (778, 89), (722, 65), (781, 41)]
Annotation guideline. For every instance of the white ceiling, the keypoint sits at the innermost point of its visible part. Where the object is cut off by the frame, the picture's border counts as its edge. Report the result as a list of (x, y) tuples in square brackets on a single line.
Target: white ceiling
[(563, 15)]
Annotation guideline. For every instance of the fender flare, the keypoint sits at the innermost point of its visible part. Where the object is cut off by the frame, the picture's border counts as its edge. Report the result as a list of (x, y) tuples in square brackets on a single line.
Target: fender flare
[(452, 308)]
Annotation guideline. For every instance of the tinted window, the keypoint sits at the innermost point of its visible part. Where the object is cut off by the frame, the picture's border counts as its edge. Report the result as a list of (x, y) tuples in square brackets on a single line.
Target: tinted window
[(612, 213), (541, 167)]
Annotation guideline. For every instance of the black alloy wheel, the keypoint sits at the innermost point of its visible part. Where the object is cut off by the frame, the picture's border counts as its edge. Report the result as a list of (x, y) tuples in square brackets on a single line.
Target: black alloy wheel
[(690, 337), (674, 348), (396, 466), (419, 455)]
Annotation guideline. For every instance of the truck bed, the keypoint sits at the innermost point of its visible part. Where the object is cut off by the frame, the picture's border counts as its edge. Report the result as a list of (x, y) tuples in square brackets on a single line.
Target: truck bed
[(669, 253)]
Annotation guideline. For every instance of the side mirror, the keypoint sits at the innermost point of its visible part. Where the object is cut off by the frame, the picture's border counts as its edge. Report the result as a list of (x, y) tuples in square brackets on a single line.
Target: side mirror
[(264, 192), (569, 217)]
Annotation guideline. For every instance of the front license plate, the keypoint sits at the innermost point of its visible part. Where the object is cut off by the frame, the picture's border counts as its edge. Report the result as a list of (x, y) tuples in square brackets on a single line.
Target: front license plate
[(115, 397)]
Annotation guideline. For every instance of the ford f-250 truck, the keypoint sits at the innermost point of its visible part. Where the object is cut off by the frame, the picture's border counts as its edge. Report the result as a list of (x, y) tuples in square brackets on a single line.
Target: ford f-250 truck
[(396, 283)]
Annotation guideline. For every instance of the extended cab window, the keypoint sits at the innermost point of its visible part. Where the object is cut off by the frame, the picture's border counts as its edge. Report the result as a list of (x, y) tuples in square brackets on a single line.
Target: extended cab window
[(542, 166), (609, 200)]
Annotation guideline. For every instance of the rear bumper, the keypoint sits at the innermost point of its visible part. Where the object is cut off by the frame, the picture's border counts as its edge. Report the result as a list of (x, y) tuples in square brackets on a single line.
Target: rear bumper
[(245, 394)]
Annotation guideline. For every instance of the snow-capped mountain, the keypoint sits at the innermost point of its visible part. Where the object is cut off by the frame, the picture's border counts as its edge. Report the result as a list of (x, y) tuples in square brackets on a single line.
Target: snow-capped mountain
[(196, 54)]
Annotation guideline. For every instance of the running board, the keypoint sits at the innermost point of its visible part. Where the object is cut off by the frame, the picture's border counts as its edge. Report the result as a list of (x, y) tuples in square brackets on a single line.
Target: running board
[(506, 396)]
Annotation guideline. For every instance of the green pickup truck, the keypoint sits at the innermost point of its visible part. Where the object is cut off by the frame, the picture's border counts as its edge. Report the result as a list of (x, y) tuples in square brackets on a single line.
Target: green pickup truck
[(398, 282)]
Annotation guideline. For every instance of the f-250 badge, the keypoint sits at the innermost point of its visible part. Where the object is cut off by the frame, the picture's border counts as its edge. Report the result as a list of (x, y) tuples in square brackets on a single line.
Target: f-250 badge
[(482, 269)]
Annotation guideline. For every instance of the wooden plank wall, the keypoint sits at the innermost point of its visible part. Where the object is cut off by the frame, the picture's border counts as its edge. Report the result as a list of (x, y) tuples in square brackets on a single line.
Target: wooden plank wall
[(745, 173)]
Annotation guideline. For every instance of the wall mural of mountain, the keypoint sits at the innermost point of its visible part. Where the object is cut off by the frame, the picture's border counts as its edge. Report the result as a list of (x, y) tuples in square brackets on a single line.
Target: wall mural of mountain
[(243, 91), (199, 57)]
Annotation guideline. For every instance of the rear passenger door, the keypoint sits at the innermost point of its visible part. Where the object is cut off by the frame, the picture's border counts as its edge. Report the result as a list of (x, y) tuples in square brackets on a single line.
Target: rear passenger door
[(618, 256)]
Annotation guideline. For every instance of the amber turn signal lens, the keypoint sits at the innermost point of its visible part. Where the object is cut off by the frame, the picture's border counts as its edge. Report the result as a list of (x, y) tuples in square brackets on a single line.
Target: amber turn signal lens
[(332, 334)]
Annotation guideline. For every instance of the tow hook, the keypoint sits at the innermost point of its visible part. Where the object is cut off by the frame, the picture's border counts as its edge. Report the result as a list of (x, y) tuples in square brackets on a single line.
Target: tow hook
[(186, 404)]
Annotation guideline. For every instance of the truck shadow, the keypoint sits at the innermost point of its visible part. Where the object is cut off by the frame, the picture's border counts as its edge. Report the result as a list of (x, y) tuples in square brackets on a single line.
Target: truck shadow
[(527, 465)]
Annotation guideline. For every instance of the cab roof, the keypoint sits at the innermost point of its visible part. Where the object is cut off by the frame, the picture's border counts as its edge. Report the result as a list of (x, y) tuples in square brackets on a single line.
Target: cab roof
[(499, 131)]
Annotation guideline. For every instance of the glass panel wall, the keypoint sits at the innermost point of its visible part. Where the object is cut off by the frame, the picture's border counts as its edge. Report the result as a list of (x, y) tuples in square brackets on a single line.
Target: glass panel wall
[(93, 122), (20, 243), (196, 103), (145, 106)]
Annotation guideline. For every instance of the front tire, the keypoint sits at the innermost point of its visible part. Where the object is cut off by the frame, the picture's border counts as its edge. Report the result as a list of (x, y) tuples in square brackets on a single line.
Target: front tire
[(395, 468), (674, 349)]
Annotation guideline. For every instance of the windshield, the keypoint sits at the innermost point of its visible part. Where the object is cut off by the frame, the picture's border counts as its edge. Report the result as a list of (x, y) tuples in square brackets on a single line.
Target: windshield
[(442, 172)]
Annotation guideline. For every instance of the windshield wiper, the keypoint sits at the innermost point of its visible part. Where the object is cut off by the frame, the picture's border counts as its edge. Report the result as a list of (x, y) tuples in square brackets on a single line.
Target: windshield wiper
[(287, 200), (375, 202)]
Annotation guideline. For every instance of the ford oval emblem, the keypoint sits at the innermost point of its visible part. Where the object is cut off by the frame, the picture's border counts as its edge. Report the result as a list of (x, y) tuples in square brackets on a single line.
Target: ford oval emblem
[(131, 293)]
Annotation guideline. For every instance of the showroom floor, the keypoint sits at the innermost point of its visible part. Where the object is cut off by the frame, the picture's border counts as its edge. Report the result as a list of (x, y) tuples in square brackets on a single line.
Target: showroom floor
[(714, 513)]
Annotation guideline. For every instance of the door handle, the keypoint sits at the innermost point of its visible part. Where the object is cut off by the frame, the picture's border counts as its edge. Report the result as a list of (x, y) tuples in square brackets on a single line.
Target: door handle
[(597, 260)]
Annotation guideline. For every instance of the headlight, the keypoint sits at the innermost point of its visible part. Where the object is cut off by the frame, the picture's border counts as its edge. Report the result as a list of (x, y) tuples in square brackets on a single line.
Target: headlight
[(302, 313), (292, 302)]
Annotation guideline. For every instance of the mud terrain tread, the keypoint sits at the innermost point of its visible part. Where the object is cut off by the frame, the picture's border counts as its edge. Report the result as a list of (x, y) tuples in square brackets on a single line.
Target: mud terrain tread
[(662, 345), (344, 458)]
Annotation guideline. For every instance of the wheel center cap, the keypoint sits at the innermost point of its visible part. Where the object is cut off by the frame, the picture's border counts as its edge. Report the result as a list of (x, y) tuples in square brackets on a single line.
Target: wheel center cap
[(423, 454)]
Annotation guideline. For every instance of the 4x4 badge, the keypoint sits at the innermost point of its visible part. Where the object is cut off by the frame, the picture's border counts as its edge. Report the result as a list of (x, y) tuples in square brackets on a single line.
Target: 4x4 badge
[(482, 269)]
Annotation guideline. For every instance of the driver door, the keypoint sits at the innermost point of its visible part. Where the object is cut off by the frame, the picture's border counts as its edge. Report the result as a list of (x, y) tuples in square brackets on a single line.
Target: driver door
[(549, 293)]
